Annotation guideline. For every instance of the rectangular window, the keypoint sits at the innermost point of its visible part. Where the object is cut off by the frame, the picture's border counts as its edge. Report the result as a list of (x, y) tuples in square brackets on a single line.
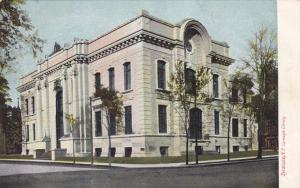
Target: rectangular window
[(163, 151), (235, 128), (246, 148), (245, 127), (26, 106), (236, 148), (112, 126), (217, 123), (111, 74), (218, 149), (216, 86), (112, 152), (234, 93), (127, 76), (27, 133), (33, 105), (244, 96), (98, 123), (128, 120), (161, 74), (33, 131), (98, 152), (128, 151), (97, 80), (162, 118)]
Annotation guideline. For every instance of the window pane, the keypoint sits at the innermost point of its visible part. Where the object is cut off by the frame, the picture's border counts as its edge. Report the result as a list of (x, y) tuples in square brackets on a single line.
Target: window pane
[(97, 80), (127, 76), (111, 73), (162, 119), (33, 105), (234, 93), (128, 120), (161, 75), (217, 126), (26, 106), (245, 127), (215, 86), (33, 131), (98, 123), (235, 128), (112, 125)]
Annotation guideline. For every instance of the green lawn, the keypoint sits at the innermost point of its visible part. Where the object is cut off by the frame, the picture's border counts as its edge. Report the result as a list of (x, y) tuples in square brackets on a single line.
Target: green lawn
[(158, 160), (148, 160), (15, 156)]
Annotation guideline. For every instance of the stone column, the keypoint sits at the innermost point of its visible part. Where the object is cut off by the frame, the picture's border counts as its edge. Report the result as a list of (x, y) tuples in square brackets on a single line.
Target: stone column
[(39, 125), (75, 101), (46, 109), (84, 80), (65, 102), (81, 106)]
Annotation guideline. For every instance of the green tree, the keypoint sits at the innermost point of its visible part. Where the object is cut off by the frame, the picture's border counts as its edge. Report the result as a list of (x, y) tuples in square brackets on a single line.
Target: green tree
[(17, 34), (111, 104), (188, 88), (233, 102), (261, 63), (73, 122)]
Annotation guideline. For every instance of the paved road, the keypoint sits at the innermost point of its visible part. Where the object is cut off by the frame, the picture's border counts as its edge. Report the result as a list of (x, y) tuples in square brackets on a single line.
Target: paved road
[(253, 174)]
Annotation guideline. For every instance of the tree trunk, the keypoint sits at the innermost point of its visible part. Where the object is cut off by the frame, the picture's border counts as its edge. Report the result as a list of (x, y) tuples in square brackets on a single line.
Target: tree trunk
[(109, 140), (187, 141), (73, 150), (228, 141), (260, 134), (109, 149)]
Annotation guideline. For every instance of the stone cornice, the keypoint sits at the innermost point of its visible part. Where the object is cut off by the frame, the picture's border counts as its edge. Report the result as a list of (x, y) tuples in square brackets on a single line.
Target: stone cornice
[(26, 86), (144, 36), (220, 59)]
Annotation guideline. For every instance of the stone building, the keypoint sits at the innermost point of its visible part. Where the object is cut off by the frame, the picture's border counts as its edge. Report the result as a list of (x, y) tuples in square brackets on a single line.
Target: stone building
[(135, 58)]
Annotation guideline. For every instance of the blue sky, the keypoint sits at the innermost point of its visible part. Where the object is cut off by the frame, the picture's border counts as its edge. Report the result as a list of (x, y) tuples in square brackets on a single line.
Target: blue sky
[(233, 21)]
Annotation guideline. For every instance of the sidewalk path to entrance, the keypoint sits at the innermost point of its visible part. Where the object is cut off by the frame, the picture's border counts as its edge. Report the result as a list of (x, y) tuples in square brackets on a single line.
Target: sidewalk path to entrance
[(17, 169), (121, 165)]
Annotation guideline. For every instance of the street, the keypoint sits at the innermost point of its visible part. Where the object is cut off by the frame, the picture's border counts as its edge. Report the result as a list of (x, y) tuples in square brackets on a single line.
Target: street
[(251, 174)]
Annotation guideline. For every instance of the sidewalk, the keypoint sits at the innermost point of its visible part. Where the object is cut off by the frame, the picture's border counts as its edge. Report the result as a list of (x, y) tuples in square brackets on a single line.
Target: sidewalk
[(161, 165)]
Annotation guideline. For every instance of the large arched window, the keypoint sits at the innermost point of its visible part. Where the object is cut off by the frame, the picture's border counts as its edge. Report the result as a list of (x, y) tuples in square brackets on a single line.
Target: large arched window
[(161, 74)]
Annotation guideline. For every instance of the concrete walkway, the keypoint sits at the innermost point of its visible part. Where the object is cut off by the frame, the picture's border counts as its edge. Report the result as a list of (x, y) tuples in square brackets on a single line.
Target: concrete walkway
[(161, 165)]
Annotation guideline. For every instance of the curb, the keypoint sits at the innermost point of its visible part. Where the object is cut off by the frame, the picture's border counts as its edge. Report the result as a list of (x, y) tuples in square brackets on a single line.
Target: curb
[(115, 165)]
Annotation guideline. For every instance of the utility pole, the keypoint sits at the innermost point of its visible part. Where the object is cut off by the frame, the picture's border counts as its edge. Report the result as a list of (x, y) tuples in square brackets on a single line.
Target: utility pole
[(91, 123)]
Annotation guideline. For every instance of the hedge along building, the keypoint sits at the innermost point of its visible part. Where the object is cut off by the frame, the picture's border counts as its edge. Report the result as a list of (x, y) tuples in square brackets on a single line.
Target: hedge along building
[(135, 58)]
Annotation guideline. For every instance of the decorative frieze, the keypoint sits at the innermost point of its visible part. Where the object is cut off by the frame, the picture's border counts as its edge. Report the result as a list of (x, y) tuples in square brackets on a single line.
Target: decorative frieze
[(220, 59), (145, 37)]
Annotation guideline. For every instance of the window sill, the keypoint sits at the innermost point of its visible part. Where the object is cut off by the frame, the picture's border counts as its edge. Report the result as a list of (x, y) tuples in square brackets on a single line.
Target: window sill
[(163, 90), (127, 91)]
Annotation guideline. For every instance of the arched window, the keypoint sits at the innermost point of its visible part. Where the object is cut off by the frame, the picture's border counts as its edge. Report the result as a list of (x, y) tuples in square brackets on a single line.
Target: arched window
[(127, 76), (161, 74)]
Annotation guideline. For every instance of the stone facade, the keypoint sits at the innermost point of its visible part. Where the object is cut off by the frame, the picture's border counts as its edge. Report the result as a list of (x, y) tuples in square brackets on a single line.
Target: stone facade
[(65, 82)]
